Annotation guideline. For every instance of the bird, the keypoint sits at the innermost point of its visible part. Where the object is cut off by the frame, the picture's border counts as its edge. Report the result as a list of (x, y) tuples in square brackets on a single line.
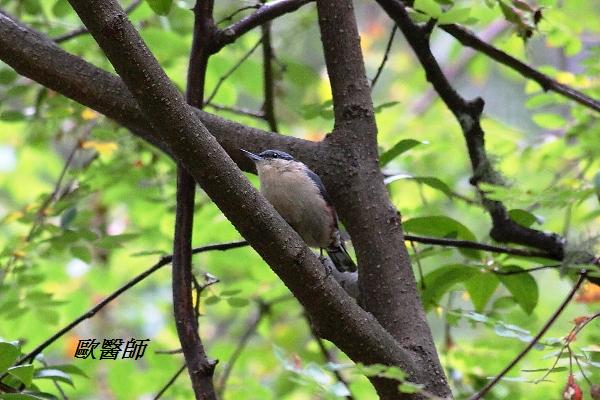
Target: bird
[(299, 196)]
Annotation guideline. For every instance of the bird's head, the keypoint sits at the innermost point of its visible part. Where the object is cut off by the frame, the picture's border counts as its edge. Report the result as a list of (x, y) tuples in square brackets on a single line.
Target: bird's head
[(272, 160)]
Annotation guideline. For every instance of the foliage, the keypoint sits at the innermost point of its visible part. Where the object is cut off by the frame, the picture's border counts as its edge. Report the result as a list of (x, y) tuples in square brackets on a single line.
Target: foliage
[(67, 243)]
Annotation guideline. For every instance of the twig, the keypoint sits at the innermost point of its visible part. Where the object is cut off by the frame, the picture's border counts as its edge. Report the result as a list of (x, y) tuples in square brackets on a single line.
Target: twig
[(238, 110), (467, 244), (525, 271), (92, 311), (385, 57), (533, 342), (328, 357), (170, 382), (263, 308), (265, 13), (468, 38), (83, 30), (236, 12), (227, 74)]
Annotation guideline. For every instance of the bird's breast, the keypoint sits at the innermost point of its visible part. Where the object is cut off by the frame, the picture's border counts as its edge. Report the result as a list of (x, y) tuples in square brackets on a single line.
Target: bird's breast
[(298, 200)]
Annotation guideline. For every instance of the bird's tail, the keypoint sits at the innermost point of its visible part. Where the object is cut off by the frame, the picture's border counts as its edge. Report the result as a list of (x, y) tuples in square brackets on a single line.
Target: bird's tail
[(341, 259)]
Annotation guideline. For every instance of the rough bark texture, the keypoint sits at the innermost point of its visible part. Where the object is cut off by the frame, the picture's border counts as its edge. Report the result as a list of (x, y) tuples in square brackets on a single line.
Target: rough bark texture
[(387, 285)]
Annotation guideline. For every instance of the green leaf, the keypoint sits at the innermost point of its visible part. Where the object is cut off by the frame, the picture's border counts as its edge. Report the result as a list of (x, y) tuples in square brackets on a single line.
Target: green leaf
[(409, 387), (70, 369), (212, 300), (549, 120), (441, 226), (7, 76), (429, 7), (24, 373), (510, 13), (161, 7), (522, 217), (480, 288), (440, 281), (455, 15), (522, 286), (54, 374), (8, 355), (237, 302), (231, 292), (19, 396), (61, 8), (430, 181), (12, 116), (82, 252), (401, 147), (108, 242)]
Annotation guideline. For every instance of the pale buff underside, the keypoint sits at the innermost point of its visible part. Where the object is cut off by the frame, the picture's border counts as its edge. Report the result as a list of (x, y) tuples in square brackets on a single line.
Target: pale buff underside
[(297, 199)]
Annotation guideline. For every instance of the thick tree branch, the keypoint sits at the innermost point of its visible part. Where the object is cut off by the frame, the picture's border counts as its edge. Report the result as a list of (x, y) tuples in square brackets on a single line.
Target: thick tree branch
[(470, 39), (335, 314), (387, 285)]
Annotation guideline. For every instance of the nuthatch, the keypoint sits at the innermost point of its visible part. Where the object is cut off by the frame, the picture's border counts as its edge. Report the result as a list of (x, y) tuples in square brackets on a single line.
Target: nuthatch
[(299, 196)]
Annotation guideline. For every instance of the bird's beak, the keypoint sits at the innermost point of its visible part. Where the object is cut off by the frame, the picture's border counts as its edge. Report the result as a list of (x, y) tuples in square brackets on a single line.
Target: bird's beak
[(251, 156)]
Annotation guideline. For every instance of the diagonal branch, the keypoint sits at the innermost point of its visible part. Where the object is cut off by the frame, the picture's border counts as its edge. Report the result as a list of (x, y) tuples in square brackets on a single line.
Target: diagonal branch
[(530, 345), (470, 39), (265, 13), (166, 260)]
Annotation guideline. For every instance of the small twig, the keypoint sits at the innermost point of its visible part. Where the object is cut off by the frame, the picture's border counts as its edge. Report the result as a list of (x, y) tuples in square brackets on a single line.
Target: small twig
[(468, 38), (231, 71), (525, 271), (263, 308), (238, 110), (385, 56), (170, 382), (265, 13), (466, 244), (92, 311), (236, 12), (533, 342), (83, 30)]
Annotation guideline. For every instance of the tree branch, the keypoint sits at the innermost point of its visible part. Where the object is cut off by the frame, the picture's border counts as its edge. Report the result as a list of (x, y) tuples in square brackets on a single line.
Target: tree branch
[(200, 368), (470, 39), (265, 13), (531, 344), (165, 260), (387, 286), (169, 383)]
